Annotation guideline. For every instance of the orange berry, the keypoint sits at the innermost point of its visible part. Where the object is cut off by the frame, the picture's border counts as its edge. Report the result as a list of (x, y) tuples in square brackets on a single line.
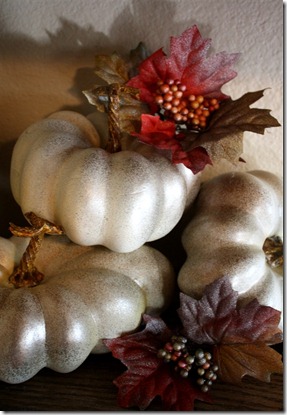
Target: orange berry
[(159, 100), (175, 102), (167, 106), (177, 117), (194, 104), (164, 88), (170, 81), (168, 97), (178, 94)]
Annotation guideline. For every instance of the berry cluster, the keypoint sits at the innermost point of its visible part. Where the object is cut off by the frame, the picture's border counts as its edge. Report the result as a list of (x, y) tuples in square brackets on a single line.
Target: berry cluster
[(199, 364), (190, 109)]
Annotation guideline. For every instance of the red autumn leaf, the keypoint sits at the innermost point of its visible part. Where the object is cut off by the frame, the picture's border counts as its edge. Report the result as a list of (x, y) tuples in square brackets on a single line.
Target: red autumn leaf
[(188, 62), (158, 133), (147, 375), (195, 159), (162, 135), (217, 319)]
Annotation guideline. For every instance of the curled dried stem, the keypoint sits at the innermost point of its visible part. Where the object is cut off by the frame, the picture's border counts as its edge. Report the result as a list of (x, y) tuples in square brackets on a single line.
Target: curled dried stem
[(273, 249), (115, 92), (26, 274)]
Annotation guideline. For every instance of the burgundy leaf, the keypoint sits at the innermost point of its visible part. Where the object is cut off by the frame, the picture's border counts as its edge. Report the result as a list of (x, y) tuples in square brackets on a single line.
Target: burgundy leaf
[(205, 321), (147, 375), (217, 318), (195, 159)]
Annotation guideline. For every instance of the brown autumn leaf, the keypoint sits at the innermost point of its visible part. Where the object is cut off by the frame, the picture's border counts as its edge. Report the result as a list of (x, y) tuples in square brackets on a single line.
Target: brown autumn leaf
[(130, 108), (253, 359), (111, 68), (240, 334), (224, 136), (136, 56)]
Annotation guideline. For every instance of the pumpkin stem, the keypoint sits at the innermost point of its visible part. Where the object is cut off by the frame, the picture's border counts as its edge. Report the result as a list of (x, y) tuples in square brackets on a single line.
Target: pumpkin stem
[(114, 143), (273, 249), (114, 92), (26, 274)]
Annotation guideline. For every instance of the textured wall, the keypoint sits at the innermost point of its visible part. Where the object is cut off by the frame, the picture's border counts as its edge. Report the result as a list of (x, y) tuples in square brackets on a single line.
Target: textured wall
[(47, 55)]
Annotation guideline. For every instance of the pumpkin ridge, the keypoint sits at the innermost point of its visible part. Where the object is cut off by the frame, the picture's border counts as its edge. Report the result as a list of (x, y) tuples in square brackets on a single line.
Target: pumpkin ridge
[(233, 215)]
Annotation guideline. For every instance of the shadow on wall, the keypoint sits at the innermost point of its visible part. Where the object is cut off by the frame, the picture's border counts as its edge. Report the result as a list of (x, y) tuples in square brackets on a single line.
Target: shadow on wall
[(42, 77), (39, 78)]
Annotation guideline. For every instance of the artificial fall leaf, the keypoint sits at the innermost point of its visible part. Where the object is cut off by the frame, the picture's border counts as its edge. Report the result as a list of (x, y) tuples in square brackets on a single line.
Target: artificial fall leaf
[(224, 136), (253, 359), (129, 108), (188, 62), (161, 134), (111, 68), (147, 375), (136, 56), (195, 159), (158, 133), (236, 332)]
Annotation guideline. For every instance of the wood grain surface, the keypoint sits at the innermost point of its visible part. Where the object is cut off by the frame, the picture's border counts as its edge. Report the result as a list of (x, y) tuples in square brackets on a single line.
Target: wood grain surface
[(90, 388)]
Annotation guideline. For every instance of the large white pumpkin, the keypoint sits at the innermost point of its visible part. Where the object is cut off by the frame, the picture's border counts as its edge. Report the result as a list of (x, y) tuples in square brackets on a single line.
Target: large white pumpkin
[(88, 294), (234, 215), (120, 200)]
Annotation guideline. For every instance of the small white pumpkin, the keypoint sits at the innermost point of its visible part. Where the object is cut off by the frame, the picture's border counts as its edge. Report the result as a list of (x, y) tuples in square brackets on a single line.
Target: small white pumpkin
[(234, 215), (88, 294), (120, 200)]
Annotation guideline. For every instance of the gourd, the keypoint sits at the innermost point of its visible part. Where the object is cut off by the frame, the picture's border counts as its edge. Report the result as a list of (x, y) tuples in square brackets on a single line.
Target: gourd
[(120, 200), (236, 231), (88, 294)]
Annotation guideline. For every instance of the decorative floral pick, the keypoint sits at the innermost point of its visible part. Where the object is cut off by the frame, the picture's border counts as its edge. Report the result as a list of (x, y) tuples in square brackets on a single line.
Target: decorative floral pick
[(174, 102), (215, 338)]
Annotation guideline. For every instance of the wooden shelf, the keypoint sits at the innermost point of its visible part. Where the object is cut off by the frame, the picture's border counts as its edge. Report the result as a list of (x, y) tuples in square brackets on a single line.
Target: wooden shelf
[(90, 388)]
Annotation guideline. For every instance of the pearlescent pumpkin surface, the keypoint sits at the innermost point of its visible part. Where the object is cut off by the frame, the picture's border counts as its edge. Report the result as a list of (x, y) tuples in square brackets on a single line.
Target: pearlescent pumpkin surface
[(88, 294), (119, 200), (234, 214)]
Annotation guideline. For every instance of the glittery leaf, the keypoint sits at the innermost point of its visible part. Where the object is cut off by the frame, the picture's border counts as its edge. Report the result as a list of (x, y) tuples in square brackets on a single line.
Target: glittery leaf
[(189, 63), (236, 332), (147, 375)]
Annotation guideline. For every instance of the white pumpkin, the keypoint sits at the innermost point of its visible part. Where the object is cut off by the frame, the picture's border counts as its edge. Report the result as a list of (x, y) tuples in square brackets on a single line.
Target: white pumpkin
[(120, 200), (234, 215), (88, 294)]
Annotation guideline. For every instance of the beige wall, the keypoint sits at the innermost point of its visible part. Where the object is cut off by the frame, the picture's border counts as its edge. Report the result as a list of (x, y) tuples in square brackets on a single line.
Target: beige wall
[(47, 53)]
